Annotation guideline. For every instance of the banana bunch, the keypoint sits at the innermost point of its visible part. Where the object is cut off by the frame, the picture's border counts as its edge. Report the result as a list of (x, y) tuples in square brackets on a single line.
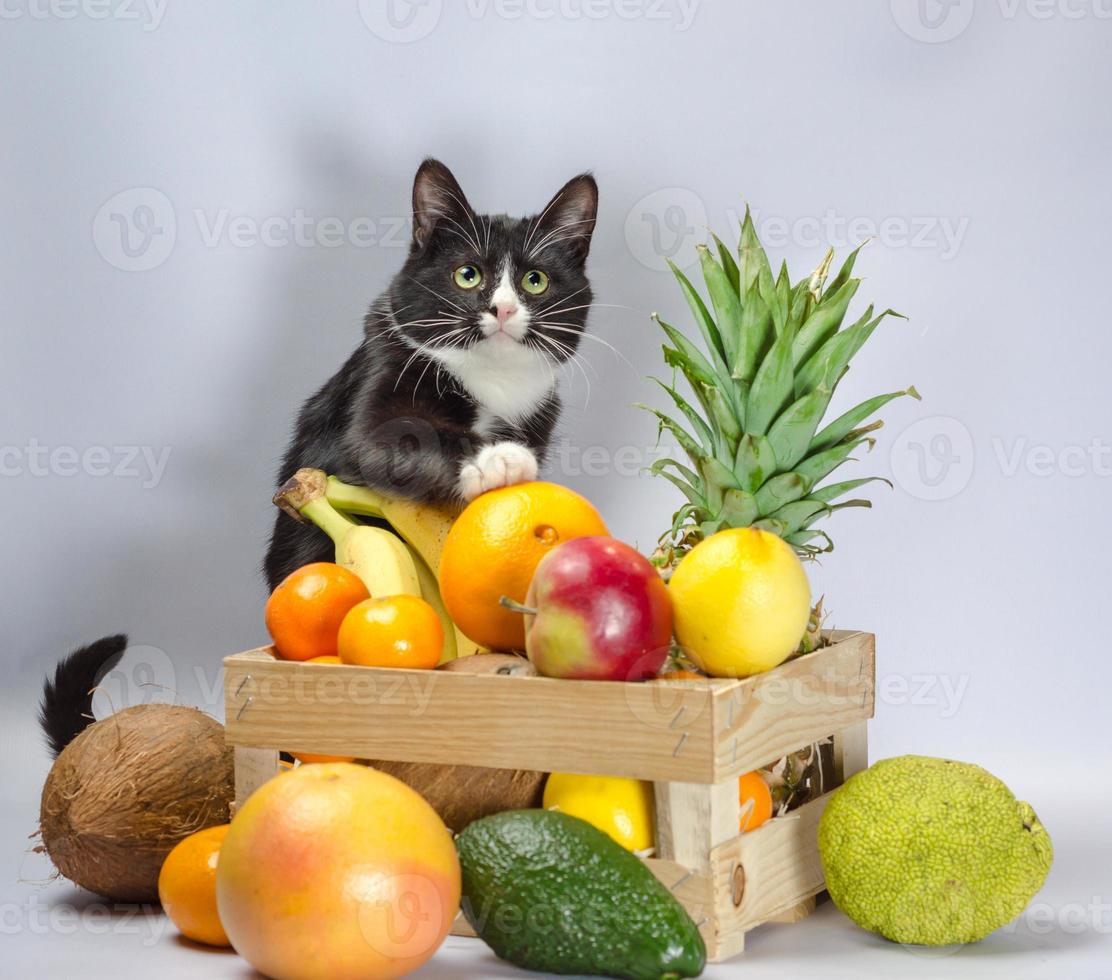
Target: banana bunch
[(404, 559)]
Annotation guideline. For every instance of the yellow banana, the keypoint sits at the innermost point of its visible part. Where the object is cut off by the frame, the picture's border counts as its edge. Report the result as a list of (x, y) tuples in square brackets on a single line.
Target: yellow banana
[(385, 563), (430, 592), (424, 527), (377, 556)]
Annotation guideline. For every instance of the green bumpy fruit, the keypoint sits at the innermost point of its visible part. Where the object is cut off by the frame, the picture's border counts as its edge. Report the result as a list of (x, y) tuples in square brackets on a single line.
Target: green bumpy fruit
[(931, 852)]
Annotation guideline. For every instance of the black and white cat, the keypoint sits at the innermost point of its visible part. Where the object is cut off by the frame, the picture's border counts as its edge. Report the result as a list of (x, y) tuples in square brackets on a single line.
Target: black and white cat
[(453, 390)]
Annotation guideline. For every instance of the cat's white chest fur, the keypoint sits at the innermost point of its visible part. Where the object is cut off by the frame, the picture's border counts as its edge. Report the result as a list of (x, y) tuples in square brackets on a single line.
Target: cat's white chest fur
[(508, 379)]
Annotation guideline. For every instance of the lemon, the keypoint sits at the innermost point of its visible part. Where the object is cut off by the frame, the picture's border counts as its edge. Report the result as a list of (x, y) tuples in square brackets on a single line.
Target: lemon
[(741, 602), (622, 808)]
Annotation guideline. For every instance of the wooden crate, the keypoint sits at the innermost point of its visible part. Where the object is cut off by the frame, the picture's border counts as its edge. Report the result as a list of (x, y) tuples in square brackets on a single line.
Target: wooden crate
[(692, 739)]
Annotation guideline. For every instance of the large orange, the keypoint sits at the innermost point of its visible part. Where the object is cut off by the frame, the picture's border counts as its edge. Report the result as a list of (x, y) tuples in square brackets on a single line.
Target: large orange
[(337, 872), (187, 886), (495, 546), (304, 612)]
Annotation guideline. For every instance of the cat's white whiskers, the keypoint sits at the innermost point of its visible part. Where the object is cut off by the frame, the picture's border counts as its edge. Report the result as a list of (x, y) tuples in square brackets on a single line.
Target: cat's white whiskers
[(566, 328), (427, 350), (556, 241), (551, 236), (470, 217), (537, 222), (461, 232), (565, 299), (440, 296), (571, 359)]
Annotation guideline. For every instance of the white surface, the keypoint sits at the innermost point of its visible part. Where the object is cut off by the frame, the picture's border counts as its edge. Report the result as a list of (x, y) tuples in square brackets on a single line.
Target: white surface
[(58, 931)]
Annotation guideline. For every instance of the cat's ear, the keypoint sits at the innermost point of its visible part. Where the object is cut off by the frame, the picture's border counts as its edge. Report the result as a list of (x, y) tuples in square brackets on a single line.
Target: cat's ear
[(569, 218), (438, 197)]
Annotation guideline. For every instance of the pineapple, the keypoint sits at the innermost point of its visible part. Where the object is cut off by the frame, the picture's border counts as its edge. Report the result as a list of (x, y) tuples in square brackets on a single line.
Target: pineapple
[(772, 355)]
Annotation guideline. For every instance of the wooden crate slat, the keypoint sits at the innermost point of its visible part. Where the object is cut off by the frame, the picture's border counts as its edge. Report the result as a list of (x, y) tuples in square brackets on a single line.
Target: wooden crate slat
[(693, 818), (653, 731), (763, 718), (779, 868)]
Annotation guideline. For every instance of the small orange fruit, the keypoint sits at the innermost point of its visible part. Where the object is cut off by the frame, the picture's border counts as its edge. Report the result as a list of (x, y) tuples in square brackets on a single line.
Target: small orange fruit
[(756, 801), (393, 631), (682, 675), (304, 612), (187, 886), (306, 758), (495, 546)]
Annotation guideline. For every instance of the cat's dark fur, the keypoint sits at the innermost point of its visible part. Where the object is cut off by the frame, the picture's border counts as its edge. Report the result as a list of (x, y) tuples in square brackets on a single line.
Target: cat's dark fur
[(448, 385)]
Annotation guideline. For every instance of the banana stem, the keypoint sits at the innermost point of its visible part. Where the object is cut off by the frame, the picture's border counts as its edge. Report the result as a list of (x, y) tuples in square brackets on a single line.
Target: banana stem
[(353, 499), (303, 496), (336, 525)]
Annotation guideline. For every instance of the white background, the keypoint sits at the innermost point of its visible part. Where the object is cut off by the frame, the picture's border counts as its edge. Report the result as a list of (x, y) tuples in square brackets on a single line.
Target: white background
[(201, 199)]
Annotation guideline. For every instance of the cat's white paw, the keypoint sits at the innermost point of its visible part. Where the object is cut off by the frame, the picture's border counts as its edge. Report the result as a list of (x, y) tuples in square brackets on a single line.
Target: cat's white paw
[(495, 466)]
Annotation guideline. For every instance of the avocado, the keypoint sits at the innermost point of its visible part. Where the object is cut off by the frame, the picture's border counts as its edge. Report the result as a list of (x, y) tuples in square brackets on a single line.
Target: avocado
[(549, 892)]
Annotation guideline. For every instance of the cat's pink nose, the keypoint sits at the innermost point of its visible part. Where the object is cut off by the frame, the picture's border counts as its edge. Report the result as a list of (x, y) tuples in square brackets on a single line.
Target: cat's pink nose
[(502, 312)]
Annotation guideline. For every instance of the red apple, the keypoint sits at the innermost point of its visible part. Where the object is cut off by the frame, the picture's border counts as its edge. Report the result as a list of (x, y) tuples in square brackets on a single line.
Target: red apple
[(598, 610)]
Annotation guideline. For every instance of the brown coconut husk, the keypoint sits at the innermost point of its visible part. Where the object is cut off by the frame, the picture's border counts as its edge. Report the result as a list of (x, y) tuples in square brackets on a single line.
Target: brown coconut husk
[(127, 789), (462, 794)]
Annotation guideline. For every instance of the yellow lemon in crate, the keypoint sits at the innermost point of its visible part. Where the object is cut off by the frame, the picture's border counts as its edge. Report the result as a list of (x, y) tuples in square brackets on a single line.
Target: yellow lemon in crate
[(622, 808), (741, 602)]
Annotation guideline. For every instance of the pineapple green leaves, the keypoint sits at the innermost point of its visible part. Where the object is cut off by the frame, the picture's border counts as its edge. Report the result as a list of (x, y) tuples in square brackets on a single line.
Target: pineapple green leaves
[(772, 355)]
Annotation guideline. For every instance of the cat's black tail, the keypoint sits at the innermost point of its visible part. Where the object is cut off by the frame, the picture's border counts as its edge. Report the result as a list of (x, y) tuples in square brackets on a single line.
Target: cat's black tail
[(67, 700)]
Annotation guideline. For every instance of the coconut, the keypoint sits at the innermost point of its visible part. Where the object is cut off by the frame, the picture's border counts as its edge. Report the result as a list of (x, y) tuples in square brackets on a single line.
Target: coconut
[(127, 789)]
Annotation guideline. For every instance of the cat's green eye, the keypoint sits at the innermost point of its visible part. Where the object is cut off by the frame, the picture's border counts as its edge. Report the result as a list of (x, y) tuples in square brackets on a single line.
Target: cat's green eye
[(467, 276), (534, 282)]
